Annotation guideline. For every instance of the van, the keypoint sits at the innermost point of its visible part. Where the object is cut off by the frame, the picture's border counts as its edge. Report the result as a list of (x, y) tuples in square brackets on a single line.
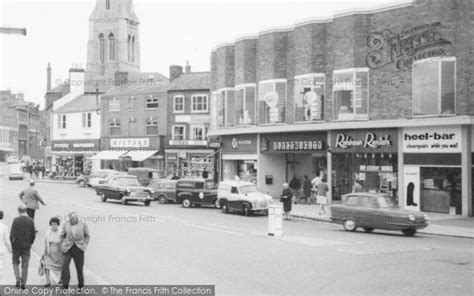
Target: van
[(196, 192), (243, 197), (164, 190), (144, 175), (15, 172)]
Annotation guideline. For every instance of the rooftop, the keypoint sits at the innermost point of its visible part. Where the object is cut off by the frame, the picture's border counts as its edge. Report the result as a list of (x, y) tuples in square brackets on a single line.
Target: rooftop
[(79, 104), (194, 81)]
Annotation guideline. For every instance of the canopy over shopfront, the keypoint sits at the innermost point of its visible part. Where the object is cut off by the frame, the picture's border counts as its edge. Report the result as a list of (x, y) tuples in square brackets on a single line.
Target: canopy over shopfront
[(109, 155), (140, 155)]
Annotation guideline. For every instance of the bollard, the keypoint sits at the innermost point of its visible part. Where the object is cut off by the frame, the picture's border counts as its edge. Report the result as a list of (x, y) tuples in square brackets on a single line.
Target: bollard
[(275, 217)]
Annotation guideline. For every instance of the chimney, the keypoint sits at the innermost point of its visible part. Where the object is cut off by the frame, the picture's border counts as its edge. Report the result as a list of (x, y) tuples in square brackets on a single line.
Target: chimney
[(188, 68), (175, 71), (76, 81), (48, 78)]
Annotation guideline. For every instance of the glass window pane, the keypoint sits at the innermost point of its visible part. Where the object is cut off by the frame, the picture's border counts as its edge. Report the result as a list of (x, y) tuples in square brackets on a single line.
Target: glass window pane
[(220, 97), (264, 90), (239, 106), (426, 88), (447, 88), (280, 88), (229, 108), (249, 113), (309, 98)]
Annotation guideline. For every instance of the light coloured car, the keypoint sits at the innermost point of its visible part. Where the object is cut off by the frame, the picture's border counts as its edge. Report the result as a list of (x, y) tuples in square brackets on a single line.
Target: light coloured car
[(98, 177), (243, 197), (16, 172)]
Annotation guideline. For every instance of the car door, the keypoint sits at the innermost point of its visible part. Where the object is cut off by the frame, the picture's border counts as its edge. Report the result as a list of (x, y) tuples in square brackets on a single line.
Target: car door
[(372, 213), (234, 198), (106, 187)]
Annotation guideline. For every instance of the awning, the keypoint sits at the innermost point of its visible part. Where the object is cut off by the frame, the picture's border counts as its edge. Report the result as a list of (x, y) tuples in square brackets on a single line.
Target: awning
[(6, 149), (139, 155), (108, 155), (239, 156)]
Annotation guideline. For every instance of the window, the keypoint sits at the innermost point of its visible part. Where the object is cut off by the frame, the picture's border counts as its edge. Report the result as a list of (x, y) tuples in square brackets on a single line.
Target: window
[(309, 97), (199, 104), (351, 94), (245, 104), (225, 107), (133, 49), (151, 127), (101, 48), (107, 4), (111, 47), (114, 105), (272, 101), (199, 133), (86, 120), (152, 103), (178, 132), (62, 121), (129, 48), (114, 126), (434, 87), (132, 103), (178, 104)]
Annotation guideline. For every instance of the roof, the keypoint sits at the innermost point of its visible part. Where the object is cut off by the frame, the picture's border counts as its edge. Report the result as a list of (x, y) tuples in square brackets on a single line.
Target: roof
[(60, 89), (144, 88), (118, 9), (79, 104), (192, 81)]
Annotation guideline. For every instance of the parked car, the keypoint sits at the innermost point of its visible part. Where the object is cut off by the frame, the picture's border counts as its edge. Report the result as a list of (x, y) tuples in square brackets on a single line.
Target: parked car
[(97, 177), (242, 197), (196, 192), (164, 190), (16, 172), (145, 175), (125, 188), (376, 211)]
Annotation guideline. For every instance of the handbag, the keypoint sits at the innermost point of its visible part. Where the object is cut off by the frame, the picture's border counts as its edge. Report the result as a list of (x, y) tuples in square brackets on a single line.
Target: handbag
[(41, 267)]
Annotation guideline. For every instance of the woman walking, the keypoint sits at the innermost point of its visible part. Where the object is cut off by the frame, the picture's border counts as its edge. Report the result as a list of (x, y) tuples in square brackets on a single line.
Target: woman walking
[(52, 257), (286, 199)]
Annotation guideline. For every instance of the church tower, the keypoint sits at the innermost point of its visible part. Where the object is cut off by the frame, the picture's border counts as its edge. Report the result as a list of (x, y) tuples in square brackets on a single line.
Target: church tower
[(114, 43)]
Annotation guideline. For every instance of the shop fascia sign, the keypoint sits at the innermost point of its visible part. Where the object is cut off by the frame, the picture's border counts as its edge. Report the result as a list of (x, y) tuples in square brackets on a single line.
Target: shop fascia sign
[(432, 140), (292, 145), (130, 143), (188, 142), (371, 140), (405, 47), (235, 143)]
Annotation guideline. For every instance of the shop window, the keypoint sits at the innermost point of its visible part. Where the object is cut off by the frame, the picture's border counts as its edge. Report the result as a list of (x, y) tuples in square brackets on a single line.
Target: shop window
[(199, 104), (199, 133), (309, 97), (152, 103), (178, 104), (245, 104), (272, 101), (229, 107), (114, 105), (86, 120), (151, 127), (178, 132), (62, 121), (351, 94), (115, 128), (441, 190), (132, 103), (434, 87)]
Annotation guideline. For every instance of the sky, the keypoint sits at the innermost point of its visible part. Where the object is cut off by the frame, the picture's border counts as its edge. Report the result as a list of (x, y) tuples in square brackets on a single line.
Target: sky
[(171, 32)]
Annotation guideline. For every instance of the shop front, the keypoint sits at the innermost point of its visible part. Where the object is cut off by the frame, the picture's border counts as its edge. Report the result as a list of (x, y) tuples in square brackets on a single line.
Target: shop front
[(433, 169), (366, 157), (75, 157), (239, 157), (189, 158), (287, 155)]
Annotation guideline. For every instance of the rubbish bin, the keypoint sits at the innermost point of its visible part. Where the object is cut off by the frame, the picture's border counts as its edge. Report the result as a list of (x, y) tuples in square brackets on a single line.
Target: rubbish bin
[(275, 217)]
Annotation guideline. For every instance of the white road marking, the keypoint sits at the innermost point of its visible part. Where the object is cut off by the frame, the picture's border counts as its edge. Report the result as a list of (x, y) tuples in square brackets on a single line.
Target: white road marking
[(214, 229), (250, 231)]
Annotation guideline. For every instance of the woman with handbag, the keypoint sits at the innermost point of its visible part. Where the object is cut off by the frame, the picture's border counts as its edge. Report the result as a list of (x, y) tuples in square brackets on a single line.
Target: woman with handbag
[(53, 257), (286, 198)]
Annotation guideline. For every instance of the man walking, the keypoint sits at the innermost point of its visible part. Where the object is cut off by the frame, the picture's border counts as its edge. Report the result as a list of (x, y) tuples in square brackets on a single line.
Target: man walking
[(76, 238), (31, 199), (22, 236)]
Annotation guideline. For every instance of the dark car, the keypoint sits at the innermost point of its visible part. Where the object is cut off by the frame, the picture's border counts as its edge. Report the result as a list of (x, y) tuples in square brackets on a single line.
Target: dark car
[(376, 211), (196, 192), (124, 188), (144, 175), (164, 190)]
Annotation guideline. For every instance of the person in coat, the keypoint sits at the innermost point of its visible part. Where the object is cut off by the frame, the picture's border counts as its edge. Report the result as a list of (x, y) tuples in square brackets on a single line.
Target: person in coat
[(31, 199), (5, 245), (307, 186), (286, 199), (53, 256)]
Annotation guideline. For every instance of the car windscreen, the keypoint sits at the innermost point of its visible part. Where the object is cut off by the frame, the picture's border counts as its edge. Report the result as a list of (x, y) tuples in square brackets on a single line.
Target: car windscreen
[(128, 182), (385, 202), (248, 189), (98, 175)]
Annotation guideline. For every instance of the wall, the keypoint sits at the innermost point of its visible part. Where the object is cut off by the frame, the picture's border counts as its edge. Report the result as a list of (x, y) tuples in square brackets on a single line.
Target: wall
[(271, 164), (74, 129)]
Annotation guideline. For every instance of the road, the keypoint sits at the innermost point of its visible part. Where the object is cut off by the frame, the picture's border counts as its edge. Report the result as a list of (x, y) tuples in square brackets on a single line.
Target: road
[(168, 244)]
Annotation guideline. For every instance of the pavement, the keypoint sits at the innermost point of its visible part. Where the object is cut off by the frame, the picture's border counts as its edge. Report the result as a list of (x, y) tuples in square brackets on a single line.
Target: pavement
[(440, 224)]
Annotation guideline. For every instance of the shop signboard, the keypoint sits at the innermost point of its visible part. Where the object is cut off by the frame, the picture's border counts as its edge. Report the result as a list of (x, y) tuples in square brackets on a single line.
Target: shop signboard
[(75, 145), (377, 140), (239, 144), (432, 139), (293, 143), (411, 179), (130, 143)]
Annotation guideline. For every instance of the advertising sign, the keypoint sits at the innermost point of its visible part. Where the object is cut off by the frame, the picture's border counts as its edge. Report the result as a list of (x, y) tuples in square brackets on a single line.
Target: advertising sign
[(381, 140), (432, 139), (411, 180), (130, 143), (302, 142)]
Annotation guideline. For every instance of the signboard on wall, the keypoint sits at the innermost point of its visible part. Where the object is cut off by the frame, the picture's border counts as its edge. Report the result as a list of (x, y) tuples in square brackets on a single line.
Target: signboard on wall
[(376, 140), (130, 143), (294, 142), (432, 139), (411, 181), (239, 144)]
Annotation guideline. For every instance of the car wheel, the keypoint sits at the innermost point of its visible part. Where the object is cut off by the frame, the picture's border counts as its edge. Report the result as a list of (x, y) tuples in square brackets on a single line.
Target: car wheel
[(349, 225), (186, 203), (162, 199), (82, 184), (147, 203), (245, 210), (103, 198), (217, 204), (368, 229), (225, 208), (409, 232)]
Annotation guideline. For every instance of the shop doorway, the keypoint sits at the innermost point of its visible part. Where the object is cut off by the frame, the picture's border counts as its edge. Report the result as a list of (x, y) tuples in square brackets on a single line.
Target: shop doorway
[(441, 190)]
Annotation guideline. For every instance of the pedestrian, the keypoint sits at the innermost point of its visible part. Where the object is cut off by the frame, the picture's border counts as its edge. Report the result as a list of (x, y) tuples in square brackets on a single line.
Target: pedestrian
[(205, 174), (295, 186), (5, 245), (36, 171), (22, 236), (31, 199), (357, 187), (75, 235), (322, 198), (307, 189), (52, 256), (286, 198)]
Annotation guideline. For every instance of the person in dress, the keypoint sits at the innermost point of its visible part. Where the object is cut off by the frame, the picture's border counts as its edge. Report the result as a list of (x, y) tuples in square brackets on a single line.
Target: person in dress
[(322, 198), (286, 199), (53, 256), (5, 245)]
